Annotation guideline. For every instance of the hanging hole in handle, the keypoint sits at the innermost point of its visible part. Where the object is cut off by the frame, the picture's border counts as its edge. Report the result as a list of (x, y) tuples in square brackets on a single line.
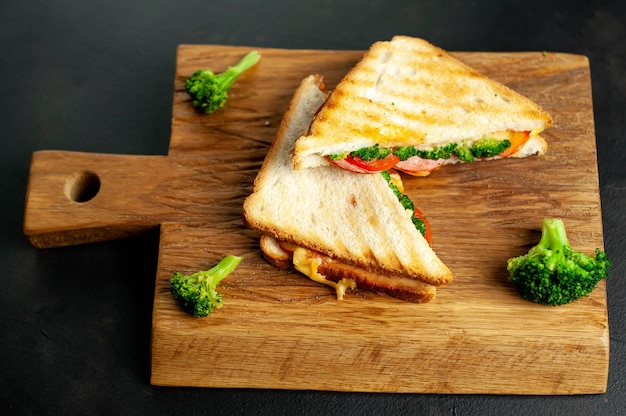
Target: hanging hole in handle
[(82, 186)]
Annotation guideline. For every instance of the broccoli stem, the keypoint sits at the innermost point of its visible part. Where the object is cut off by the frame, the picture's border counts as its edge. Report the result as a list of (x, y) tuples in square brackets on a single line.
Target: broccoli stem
[(222, 269), (553, 235), (553, 239), (228, 77)]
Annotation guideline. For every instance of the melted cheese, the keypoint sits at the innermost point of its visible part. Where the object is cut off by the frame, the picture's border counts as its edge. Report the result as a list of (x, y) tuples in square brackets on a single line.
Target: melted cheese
[(396, 179), (308, 267)]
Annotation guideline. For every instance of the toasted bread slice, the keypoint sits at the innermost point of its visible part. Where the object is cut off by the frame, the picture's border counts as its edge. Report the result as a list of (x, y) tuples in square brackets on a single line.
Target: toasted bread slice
[(342, 274), (352, 219), (408, 92)]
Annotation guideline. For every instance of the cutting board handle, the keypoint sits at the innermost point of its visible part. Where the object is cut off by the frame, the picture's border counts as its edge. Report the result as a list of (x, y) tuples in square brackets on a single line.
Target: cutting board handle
[(76, 197)]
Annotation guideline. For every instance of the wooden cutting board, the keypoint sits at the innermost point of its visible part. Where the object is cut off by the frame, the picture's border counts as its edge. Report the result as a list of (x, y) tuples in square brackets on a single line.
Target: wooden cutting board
[(279, 330)]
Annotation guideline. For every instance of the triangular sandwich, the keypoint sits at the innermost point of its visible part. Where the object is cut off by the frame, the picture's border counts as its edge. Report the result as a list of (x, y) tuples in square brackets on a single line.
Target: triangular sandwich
[(337, 228), (411, 106)]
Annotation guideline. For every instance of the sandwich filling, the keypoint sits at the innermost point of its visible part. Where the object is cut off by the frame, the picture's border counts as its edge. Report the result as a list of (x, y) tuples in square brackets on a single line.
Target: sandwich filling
[(309, 266), (342, 276), (419, 219), (421, 161)]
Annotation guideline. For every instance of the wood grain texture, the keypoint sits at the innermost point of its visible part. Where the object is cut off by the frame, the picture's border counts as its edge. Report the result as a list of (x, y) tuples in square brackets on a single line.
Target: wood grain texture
[(280, 330)]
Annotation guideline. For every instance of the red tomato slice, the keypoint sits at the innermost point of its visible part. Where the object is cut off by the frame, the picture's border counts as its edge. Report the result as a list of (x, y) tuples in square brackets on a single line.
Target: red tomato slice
[(344, 164), (357, 164), (428, 235), (518, 140), (416, 166)]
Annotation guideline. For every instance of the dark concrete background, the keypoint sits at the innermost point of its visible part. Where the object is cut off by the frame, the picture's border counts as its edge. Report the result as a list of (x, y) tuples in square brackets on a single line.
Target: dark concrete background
[(97, 76)]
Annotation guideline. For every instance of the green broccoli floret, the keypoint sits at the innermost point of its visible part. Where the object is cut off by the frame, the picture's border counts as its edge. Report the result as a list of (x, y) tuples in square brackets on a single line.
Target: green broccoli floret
[(483, 148), (209, 91), (488, 147), (338, 156), (406, 203), (464, 153), (552, 273), (405, 152), (439, 152), (197, 291), (372, 152)]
